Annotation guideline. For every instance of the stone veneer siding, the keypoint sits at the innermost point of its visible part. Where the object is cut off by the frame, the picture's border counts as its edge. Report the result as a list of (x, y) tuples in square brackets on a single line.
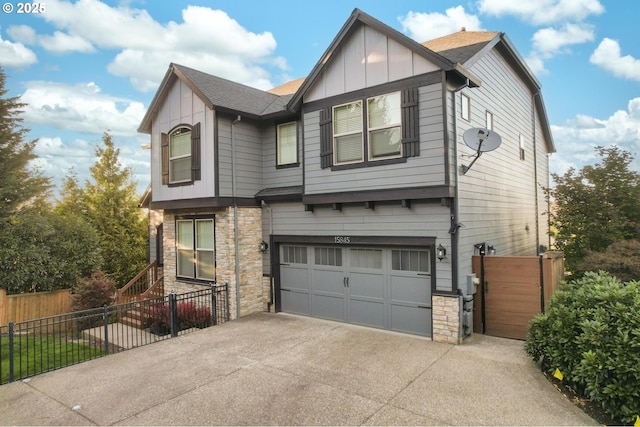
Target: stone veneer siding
[(446, 319), (252, 297)]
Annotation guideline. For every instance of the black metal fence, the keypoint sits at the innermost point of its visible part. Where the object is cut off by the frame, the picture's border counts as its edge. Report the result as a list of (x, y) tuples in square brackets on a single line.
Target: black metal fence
[(36, 346)]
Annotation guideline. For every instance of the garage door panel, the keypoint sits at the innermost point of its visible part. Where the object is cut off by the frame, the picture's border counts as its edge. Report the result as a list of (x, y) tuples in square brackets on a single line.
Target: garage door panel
[(328, 307), (413, 320), (410, 289), (367, 313), (328, 281), (294, 278), (366, 285), (295, 302)]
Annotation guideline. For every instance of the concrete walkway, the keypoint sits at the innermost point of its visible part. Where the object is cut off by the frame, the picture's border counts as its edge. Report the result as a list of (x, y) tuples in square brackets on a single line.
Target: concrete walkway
[(269, 369)]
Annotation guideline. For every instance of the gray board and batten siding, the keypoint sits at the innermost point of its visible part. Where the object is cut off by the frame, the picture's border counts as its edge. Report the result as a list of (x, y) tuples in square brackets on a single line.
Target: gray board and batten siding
[(183, 107)]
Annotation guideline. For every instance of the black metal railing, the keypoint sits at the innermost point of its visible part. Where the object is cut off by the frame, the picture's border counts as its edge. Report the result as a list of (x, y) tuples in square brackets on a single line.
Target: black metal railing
[(36, 346)]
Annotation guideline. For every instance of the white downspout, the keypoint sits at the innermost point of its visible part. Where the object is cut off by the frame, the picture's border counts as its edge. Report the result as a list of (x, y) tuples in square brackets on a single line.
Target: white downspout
[(235, 215)]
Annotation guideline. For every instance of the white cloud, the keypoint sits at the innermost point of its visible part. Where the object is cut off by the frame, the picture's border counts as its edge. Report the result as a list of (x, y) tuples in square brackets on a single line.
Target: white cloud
[(576, 138), (15, 54), (62, 43), (22, 34), (608, 56), (550, 41), (543, 12), (147, 47), (80, 108), (427, 26)]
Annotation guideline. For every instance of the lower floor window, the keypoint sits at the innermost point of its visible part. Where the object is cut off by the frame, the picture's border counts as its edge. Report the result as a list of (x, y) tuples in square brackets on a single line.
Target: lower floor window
[(195, 248)]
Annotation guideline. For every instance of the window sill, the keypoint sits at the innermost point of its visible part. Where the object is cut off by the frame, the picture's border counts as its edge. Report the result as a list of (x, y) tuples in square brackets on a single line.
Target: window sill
[(180, 184), (191, 281), (370, 163), (288, 166)]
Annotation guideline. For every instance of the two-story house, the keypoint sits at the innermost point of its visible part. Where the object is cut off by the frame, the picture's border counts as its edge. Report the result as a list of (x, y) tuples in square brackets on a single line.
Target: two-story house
[(347, 195)]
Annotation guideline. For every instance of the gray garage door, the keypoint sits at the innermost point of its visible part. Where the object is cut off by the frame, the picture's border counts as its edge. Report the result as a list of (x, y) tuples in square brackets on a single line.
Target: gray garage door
[(388, 288)]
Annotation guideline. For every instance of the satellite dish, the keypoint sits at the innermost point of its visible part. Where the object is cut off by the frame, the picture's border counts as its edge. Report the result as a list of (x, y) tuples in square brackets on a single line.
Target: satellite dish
[(481, 140)]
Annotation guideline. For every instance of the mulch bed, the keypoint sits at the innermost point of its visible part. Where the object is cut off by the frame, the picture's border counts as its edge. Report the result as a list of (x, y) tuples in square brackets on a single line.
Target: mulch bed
[(592, 409)]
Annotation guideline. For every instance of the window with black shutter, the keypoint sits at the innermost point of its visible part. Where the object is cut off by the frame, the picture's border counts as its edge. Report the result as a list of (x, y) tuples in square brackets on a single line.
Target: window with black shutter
[(181, 155), (370, 130)]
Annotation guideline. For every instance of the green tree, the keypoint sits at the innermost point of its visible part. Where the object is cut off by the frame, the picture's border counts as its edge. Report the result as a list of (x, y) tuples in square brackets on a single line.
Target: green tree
[(23, 193), (21, 187), (596, 206), (111, 207)]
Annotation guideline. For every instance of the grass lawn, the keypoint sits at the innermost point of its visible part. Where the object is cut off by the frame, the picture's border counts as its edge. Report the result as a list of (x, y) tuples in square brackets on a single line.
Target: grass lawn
[(35, 354)]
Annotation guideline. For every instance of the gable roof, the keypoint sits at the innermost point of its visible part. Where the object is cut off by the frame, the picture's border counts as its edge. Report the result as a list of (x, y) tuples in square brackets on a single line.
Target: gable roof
[(358, 18), (288, 88), (460, 47), (453, 53), (466, 47), (217, 93)]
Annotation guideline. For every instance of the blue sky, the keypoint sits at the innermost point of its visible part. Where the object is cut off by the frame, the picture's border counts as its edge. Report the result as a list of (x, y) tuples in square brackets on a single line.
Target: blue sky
[(88, 66)]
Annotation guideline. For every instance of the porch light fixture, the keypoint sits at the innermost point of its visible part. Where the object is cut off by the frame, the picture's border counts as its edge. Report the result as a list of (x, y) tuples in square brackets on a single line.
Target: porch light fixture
[(263, 246), (441, 252)]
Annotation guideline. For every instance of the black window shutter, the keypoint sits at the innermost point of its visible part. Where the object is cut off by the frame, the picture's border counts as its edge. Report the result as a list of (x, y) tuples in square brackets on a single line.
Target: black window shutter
[(164, 144), (195, 153), (326, 138), (410, 128)]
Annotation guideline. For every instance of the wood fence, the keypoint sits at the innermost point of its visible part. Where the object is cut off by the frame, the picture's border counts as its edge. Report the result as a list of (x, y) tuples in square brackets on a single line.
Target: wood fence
[(23, 307), (513, 290)]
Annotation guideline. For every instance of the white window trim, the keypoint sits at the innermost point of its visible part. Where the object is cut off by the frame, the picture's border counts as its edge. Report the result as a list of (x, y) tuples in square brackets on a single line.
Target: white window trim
[(279, 162), (337, 135), (489, 120), (184, 156), (364, 107), (465, 110), (394, 125)]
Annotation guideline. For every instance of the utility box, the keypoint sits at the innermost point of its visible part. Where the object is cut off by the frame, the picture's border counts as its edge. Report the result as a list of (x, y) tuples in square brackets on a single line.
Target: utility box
[(469, 290)]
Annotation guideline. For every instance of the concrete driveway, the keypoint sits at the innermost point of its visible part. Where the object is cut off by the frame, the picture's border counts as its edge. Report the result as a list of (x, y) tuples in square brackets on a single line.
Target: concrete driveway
[(269, 369)]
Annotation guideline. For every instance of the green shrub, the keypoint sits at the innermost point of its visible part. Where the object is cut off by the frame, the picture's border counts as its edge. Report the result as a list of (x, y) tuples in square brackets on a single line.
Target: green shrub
[(591, 333)]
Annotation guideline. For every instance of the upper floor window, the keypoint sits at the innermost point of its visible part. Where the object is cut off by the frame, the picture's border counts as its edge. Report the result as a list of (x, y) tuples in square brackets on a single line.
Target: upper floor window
[(521, 147), (180, 152), (384, 124), (347, 133), (384, 129), (489, 124), (287, 144), (465, 107), (374, 130), (180, 155)]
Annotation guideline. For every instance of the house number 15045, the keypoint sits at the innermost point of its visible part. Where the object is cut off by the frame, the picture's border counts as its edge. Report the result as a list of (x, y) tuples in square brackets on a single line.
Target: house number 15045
[(342, 240)]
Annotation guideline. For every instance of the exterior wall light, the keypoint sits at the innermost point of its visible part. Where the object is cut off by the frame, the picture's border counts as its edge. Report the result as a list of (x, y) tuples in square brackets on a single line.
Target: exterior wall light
[(491, 250), (441, 252), (263, 246)]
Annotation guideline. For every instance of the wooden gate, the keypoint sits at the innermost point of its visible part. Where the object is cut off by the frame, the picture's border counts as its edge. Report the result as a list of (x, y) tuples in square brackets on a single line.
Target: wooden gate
[(513, 290)]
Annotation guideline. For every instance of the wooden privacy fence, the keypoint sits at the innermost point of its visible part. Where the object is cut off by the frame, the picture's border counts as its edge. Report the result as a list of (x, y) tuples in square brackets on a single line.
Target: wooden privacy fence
[(513, 290), (23, 307)]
